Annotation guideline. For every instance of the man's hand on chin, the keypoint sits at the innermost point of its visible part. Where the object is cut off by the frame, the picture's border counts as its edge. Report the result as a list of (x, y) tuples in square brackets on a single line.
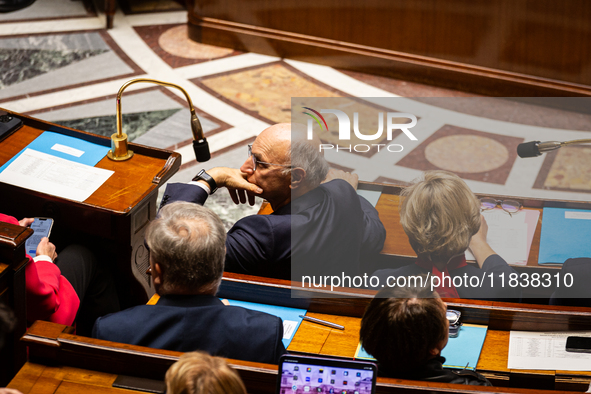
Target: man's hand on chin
[(235, 181)]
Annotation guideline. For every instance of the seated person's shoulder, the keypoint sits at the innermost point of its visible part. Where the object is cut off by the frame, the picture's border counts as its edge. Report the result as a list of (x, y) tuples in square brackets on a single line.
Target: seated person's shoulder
[(465, 376), (339, 185)]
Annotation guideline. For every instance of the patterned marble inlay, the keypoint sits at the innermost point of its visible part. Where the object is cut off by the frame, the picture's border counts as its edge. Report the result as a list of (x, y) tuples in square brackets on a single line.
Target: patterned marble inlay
[(466, 153), (39, 63), (176, 42), (571, 169), (266, 91), (134, 125), (472, 154), (21, 64), (46, 9)]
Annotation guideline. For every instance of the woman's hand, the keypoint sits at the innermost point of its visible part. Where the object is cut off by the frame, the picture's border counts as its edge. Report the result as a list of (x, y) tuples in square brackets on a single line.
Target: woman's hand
[(26, 222), (46, 248), (478, 245)]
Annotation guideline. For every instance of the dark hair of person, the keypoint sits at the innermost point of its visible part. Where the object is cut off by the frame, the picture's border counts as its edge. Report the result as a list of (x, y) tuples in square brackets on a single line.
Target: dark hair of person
[(401, 325)]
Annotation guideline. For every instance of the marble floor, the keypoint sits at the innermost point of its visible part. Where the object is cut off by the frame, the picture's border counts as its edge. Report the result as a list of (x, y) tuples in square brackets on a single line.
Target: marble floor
[(58, 63)]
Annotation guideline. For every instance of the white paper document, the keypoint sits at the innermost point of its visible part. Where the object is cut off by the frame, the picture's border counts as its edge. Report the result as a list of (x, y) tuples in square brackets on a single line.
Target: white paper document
[(53, 175), (289, 327), (507, 235), (546, 350)]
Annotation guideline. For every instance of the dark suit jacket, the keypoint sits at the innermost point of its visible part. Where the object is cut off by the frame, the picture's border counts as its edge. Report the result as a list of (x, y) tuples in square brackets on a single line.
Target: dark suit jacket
[(326, 231), (199, 322), (574, 279), (492, 288)]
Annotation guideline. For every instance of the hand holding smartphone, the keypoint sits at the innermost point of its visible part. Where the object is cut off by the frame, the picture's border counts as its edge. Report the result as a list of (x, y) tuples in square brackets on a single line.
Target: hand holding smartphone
[(42, 228)]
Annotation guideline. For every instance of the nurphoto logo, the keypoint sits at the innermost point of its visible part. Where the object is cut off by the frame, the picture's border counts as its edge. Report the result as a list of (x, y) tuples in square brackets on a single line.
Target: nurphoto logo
[(393, 120)]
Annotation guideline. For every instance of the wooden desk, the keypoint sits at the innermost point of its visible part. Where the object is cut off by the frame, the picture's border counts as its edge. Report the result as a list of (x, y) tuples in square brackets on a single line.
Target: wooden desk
[(65, 363), (397, 250), (500, 317), (113, 218), (12, 294)]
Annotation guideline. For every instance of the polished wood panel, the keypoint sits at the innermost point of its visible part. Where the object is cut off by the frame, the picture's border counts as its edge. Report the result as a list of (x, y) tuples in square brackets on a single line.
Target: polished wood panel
[(57, 359), (501, 47), (12, 294), (352, 302), (124, 189)]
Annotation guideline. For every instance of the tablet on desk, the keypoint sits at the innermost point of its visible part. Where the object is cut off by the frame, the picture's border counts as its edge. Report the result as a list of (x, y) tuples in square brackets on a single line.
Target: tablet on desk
[(302, 374)]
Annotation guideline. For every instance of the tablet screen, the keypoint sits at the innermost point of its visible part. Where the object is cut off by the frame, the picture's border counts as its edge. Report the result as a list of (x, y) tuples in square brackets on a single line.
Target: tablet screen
[(299, 374)]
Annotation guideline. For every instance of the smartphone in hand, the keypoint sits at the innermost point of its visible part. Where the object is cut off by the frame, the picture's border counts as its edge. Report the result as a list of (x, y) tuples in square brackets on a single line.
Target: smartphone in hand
[(42, 228)]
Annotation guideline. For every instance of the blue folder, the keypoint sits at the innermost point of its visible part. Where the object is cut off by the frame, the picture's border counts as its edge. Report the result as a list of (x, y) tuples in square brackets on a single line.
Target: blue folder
[(563, 238), (460, 352), (93, 153), (285, 313)]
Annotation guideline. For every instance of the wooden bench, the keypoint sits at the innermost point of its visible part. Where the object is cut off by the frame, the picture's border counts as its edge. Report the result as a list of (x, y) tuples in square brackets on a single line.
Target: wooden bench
[(61, 362), (348, 308), (12, 294)]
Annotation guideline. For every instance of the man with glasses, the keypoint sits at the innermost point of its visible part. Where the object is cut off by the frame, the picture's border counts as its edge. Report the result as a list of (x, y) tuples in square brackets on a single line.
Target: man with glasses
[(319, 224)]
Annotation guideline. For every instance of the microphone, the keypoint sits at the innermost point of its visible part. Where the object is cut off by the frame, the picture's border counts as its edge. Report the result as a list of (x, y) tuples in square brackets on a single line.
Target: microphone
[(536, 148), (119, 151), (200, 145)]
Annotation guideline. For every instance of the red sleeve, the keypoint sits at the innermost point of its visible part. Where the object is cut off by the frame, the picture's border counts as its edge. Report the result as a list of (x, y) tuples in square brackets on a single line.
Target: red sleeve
[(8, 219), (50, 296)]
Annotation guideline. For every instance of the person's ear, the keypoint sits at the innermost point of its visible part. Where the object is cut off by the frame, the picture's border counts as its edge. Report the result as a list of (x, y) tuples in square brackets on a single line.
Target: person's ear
[(157, 275), (298, 175), (436, 351)]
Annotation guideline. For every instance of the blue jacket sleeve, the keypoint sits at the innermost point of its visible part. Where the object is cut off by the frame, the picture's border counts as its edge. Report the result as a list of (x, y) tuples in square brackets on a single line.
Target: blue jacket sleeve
[(183, 192), (374, 234), (260, 245), (501, 271)]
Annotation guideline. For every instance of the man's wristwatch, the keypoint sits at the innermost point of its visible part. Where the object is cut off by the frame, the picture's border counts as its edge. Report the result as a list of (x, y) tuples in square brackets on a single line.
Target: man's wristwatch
[(204, 176)]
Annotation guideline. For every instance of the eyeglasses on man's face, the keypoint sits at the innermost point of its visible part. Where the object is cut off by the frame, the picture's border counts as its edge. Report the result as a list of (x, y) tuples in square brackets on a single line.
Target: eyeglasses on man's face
[(255, 162), (509, 206)]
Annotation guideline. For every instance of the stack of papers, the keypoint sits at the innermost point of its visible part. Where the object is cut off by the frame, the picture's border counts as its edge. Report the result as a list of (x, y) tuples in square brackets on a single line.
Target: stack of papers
[(58, 165), (546, 351), (510, 236)]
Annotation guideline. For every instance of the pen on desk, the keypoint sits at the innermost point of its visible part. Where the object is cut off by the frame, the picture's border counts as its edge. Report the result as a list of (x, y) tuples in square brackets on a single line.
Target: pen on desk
[(323, 322)]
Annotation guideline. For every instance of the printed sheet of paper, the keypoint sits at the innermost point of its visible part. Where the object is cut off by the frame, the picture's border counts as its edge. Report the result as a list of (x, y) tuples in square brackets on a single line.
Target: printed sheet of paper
[(510, 236), (53, 175), (546, 350)]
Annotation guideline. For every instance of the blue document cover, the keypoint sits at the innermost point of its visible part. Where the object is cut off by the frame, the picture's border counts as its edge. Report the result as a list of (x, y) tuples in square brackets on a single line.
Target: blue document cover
[(290, 316), (565, 234), (464, 351), (460, 352), (65, 147)]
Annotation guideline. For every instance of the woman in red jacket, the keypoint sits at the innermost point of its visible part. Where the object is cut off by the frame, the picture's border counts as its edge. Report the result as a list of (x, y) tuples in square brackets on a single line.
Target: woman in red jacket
[(61, 289)]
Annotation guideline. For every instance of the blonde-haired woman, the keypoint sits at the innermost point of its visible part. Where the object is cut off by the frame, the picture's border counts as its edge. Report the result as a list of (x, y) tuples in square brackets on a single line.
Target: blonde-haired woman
[(441, 217), (200, 373)]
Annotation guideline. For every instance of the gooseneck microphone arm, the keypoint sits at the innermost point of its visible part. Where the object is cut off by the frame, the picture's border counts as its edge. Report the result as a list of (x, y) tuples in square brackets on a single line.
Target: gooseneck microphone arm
[(119, 149), (536, 148)]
